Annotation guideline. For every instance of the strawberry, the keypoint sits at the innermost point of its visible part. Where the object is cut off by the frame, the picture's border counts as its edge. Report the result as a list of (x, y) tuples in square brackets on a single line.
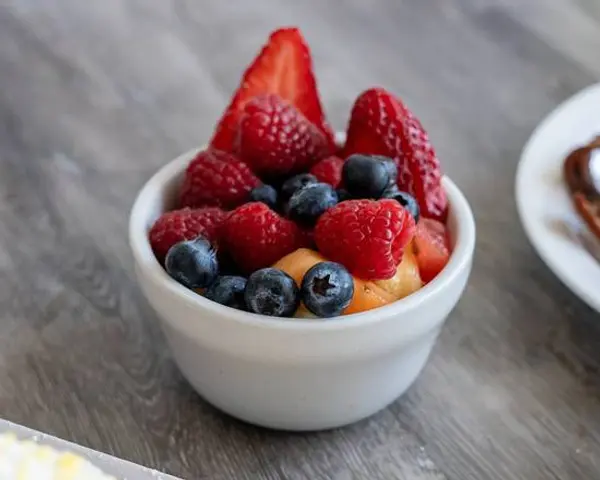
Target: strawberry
[(381, 124), (276, 139), (283, 67), (431, 247)]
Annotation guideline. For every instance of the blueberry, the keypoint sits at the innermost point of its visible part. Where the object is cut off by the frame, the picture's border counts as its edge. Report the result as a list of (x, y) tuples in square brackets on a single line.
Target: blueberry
[(343, 195), (391, 167), (265, 194), (193, 263), (296, 183), (327, 289), (272, 292), (365, 176), (404, 199), (228, 290), (310, 202)]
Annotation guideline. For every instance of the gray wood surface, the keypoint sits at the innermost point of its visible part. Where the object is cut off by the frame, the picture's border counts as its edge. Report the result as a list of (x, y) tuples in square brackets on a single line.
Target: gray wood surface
[(96, 95)]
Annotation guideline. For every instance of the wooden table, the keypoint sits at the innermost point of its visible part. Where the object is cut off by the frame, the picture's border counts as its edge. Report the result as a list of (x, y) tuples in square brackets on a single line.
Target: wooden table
[(95, 96)]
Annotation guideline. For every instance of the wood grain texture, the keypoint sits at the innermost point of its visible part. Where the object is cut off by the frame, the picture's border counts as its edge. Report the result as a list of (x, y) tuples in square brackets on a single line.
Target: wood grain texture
[(95, 96)]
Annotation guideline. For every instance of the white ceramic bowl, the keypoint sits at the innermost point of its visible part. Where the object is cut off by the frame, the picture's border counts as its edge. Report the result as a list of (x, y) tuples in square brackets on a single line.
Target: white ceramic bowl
[(296, 374)]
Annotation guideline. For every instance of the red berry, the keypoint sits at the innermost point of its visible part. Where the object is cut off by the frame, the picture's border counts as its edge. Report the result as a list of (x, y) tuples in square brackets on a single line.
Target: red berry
[(276, 139), (432, 248), (366, 236), (283, 67), (307, 238), (381, 124), (256, 237), (185, 224), (217, 178), (329, 170)]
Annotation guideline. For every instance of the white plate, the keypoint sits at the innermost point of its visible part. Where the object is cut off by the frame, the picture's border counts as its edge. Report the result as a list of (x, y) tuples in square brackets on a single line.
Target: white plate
[(110, 465), (548, 216)]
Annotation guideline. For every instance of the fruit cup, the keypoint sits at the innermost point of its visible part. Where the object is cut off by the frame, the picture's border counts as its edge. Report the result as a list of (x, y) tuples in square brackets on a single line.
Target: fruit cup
[(297, 374)]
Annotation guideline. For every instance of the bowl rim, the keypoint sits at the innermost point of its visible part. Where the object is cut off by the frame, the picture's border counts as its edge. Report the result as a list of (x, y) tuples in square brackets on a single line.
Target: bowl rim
[(146, 261)]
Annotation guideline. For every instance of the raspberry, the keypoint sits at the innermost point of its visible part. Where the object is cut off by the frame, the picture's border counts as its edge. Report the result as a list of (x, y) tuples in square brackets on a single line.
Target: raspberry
[(185, 224), (256, 237), (380, 124), (329, 170), (217, 178), (276, 139), (366, 236)]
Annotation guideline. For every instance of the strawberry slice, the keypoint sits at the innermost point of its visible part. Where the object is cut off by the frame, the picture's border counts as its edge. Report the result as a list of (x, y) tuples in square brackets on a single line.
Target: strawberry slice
[(431, 247), (283, 67), (380, 124)]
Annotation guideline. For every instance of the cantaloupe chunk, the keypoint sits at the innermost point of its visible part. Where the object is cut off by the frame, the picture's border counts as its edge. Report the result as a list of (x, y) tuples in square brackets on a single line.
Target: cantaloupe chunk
[(367, 295), (407, 279)]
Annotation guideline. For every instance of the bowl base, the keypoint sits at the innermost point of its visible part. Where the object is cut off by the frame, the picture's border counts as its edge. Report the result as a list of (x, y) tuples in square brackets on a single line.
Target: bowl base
[(311, 399)]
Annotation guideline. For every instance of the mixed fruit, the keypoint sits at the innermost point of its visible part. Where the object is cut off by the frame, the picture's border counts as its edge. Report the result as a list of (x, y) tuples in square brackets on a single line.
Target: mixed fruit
[(274, 218)]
